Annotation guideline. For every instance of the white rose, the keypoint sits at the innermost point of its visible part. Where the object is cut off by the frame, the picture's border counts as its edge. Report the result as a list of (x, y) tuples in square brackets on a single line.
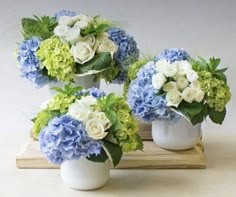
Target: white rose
[(188, 94), (183, 67), (199, 95), (160, 65), (170, 70), (79, 112), (182, 82), (95, 129), (191, 75), (90, 39), (82, 21), (101, 117), (65, 20), (173, 98), (158, 80), (82, 52), (102, 35), (44, 105), (61, 30), (106, 45), (88, 101), (73, 35), (195, 84), (170, 86)]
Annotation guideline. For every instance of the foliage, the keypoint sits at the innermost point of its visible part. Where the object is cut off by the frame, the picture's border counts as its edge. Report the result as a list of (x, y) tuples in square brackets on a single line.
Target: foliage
[(100, 62), (38, 27)]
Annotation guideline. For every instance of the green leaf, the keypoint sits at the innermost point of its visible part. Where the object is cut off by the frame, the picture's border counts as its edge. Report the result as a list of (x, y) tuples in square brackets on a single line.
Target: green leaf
[(111, 115), (161, 93), (96, 27), (116, 126), (216, 116), (222, 70), (115, 152), (100, 62), (101, 158), (203, 62), (190, 109), (213, 63), (220, 76), (57, 89), (38, 26)]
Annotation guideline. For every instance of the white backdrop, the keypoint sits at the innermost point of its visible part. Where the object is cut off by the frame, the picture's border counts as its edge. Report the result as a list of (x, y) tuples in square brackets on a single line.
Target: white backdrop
[(204, 27)]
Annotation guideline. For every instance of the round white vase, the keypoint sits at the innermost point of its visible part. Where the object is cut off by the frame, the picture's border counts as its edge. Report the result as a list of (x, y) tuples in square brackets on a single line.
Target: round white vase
[(83, 174), (177, 135), (85, 82)]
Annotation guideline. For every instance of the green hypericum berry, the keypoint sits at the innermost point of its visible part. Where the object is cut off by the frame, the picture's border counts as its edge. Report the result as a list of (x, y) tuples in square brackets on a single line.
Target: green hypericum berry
[(56, 58)]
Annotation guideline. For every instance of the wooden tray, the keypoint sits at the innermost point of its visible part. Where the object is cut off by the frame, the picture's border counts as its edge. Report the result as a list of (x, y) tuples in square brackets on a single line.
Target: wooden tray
[(153, 157)]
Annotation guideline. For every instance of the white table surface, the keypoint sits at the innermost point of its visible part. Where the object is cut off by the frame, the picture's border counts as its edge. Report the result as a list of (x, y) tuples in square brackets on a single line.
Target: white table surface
[(219, 179)]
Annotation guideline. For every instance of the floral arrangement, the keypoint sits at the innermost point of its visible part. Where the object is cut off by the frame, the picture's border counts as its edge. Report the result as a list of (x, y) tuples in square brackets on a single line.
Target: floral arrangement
[(68, 44), (86, 123), (172, 85)]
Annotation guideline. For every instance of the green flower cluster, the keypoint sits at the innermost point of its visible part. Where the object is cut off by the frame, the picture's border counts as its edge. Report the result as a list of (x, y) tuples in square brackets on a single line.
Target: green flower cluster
[(55, 56), (217, 91), (127, 134), (134, 68), (61, 102), (132, 73), (41, 121)]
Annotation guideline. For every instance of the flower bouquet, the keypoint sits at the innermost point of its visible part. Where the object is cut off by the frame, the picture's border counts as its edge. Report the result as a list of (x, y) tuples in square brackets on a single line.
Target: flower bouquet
[(85, 128), (70, 45), (173, 88)]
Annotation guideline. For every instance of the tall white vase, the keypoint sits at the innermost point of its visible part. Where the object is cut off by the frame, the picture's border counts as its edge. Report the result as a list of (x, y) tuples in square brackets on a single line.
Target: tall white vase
[(83, 81), (179, 135), (83, 174)]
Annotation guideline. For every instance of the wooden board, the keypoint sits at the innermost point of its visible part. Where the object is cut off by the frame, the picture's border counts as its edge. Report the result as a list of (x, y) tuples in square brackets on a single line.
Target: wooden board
[(145, 130), (153, 157)]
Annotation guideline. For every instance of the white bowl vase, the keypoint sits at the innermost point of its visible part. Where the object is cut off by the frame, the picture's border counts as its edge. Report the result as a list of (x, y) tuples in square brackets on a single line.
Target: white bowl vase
[(178, 135), (83, 174), (85, 82)]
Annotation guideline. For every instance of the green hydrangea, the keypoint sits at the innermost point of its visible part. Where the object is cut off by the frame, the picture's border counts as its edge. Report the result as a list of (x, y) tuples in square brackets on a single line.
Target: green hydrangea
[(132, 74), (55, 56), (42, 119), (217, 91), (127, 133), (134, 68), (61, 102), (132, 144)]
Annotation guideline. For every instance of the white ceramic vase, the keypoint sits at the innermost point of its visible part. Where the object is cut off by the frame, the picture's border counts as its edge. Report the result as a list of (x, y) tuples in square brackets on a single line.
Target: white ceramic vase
[(178, 135), (83, 81), (83, 174)]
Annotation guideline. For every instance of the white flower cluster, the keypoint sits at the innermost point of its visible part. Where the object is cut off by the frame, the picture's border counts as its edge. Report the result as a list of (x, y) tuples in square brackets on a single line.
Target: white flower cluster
[(83, 48), (179, 81), (96, 122)]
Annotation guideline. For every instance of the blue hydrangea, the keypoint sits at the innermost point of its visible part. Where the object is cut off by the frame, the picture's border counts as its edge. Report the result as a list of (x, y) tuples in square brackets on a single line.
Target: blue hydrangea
[(66, 139), (95, 92), (29, 64), (173, 54), (127, 53), (64, 13), (143, 99)]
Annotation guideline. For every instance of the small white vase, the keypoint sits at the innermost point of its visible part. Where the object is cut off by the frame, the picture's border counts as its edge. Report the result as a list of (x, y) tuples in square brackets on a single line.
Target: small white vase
[(83, 174), (84, 81), (178, 135)]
